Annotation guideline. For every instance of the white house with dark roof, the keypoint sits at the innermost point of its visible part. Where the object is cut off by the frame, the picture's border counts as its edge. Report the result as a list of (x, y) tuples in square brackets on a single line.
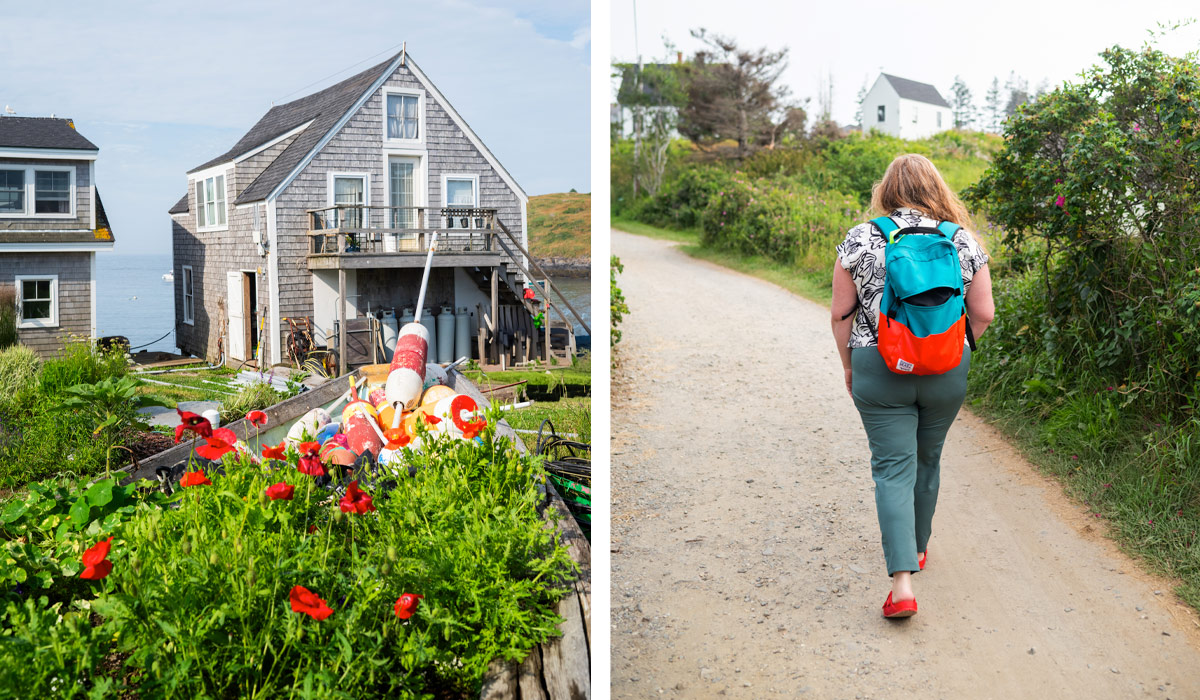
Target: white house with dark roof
[(324, 210), (905, 108), (52, 224)]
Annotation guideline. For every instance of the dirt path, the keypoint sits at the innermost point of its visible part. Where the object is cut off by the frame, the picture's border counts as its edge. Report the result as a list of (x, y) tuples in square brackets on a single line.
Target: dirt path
[(746, 554)]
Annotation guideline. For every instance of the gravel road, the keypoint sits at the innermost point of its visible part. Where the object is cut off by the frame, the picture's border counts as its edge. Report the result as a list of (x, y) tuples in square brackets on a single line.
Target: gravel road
[(746, 559)]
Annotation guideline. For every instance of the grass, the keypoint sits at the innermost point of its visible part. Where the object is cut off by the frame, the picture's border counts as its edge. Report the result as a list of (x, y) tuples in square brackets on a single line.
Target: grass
[(198, 385), (547, 384), (569, 415), (810, 285), (560, 225)]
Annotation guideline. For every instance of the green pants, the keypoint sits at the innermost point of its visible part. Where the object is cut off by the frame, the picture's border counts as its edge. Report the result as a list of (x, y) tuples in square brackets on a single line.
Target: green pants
[(906, 418)]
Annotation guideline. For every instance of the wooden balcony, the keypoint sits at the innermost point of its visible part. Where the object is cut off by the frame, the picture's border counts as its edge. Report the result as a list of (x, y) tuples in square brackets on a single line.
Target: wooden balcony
[(352, 237)]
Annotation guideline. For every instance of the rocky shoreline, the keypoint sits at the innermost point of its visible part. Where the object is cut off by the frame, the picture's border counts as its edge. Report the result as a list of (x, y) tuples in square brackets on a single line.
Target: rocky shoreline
[(566, 267)]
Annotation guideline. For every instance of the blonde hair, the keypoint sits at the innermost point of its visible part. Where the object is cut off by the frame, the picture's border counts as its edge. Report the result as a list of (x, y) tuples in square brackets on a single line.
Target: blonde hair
[(912, 181)]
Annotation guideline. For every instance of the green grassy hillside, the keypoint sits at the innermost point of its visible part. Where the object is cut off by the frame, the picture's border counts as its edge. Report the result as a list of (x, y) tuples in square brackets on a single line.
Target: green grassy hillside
[(560, 225)]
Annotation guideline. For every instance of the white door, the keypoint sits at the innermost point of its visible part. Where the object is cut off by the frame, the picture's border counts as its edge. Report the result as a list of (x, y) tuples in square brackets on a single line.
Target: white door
[(237, 323)]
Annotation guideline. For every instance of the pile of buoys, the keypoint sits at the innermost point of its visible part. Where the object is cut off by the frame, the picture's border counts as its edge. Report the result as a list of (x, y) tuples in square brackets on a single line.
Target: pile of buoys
[(371, 426)]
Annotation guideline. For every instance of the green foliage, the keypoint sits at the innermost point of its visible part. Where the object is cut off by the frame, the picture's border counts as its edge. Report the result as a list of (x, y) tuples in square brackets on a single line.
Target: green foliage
[(252, 397), (617, 306), (112, 404), (682, 201), (779, 219), (81, 363), (18, 369)]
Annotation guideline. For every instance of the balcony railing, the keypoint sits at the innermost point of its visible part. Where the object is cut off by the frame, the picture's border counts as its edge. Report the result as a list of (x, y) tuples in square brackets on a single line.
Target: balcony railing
[(348, 229)]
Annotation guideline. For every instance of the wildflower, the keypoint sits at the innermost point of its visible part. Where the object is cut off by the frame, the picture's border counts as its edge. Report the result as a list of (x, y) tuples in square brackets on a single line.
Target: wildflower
[(1108, 486), (355, 500), (257, 418), (310, 461), (474, 428), (1074, 456), (195, 478), (396, 438), (190, 421), (307, 602), (1136, 127), (406, 605), (280, 491), (529, 293), (218, 444), (1061, 201), (432, 419), (95, 561), (278, 452)]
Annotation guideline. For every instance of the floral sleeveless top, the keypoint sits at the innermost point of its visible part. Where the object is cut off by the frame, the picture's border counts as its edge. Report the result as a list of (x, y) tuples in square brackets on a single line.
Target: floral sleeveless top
[(861, 254)]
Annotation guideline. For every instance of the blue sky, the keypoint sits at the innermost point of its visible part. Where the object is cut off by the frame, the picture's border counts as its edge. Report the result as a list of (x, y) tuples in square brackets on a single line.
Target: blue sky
[(162, 87)]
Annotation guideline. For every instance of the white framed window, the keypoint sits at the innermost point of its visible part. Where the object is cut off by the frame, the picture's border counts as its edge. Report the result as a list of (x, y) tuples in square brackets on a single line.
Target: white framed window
[(460, 190), (211, 211), (403, 116), (37, 301), (350, 190), (37, 191), (189, 298)]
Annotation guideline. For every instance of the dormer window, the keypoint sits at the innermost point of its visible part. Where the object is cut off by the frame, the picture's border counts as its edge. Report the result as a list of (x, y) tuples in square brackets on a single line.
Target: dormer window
[(404, 116), (37, 191), (210, 203)]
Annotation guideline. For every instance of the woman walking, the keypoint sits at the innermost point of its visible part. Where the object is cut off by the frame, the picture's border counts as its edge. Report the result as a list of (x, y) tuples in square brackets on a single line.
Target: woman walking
[(906, 415)]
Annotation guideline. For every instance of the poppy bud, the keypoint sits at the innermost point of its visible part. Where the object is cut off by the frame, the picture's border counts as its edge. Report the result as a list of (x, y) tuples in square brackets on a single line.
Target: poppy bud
[(391, 553), (213, 559), (186, 546), (338, 515), (237, 544)]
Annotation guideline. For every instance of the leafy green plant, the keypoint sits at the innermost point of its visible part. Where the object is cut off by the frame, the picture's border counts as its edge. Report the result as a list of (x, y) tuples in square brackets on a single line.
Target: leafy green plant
[(8, 318), (81, 363), (617, 305)]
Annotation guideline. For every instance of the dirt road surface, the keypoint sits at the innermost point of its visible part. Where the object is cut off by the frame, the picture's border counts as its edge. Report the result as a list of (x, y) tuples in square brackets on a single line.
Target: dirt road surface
[(746, 559)]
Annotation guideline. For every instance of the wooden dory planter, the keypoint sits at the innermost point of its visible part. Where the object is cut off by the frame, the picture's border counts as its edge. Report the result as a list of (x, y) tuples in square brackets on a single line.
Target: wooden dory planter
[(559, 669)]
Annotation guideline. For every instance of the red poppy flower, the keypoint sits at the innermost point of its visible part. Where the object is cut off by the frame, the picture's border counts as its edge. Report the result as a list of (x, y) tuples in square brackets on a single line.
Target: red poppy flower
[(432, 419), (257, 418), (312, 529), (195, 478), (474, 428), (355, 500), (310, 460), (203, 429), (307, 602), (190, 419), (396, 438), (219, 443), (279, 452), (406, 605), (95, 561), (281, 491)]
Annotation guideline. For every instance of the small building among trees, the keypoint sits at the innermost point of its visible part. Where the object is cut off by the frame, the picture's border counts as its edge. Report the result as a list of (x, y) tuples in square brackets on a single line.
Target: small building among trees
[(905, 108)]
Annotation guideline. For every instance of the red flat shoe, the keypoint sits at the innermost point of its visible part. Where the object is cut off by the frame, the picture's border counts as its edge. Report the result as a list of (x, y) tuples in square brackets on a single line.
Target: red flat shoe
[(921, 560), (904, 608)]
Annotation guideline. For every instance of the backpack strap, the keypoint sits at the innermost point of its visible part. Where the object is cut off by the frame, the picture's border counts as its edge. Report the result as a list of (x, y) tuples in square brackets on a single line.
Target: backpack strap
[(886, 226), (948, 228)]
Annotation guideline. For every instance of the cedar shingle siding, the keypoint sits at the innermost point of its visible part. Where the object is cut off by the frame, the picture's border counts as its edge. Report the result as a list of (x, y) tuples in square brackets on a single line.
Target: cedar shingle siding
[(74, 272), (356, 148), (83, 199)]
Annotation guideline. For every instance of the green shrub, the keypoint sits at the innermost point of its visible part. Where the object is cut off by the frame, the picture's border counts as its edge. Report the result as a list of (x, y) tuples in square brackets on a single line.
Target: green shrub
[(81, 363), (252, 397), (18, 369), (618, 308)]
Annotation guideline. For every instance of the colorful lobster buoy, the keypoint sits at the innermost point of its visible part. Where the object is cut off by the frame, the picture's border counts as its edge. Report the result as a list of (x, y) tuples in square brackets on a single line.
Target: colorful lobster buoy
[(362, 432), (406, 378), (310, 423)]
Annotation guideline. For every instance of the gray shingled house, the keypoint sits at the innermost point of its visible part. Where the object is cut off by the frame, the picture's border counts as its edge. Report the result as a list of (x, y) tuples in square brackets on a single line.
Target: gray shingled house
[(324, 210), (52, 224)]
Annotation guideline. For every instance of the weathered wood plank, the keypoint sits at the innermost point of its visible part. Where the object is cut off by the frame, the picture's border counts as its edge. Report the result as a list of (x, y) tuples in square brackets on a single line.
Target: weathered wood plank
[(529, 679), (358, 261), (500, 683), (565, 661)]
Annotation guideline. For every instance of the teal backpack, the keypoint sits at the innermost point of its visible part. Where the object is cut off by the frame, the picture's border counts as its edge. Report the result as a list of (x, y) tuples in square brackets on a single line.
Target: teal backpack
[(923, 312)]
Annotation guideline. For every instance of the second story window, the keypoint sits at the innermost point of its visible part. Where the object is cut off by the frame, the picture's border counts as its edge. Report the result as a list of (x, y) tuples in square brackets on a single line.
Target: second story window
[(12, 191), (52, 194), (210, 202), (402, 116)]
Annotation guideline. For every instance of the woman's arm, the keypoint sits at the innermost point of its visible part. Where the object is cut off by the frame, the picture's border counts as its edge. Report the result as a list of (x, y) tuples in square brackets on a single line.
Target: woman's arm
[(981, 309), (845, 296)]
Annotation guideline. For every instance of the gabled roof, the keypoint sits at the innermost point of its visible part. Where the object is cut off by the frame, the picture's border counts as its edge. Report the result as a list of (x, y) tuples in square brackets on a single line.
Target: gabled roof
[(181, 207), (917, 92), (324, 109), (42, 132)]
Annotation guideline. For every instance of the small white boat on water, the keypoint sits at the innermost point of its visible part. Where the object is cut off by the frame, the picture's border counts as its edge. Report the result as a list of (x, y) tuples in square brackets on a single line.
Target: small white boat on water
[(169, 277)]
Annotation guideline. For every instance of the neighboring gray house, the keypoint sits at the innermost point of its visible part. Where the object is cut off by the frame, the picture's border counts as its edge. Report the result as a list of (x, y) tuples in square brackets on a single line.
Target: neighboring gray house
[(341, 189), (905, 108), (52, 224)]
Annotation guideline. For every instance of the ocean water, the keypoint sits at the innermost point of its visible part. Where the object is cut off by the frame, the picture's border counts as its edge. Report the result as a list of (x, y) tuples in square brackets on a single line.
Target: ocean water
[(133, 300)]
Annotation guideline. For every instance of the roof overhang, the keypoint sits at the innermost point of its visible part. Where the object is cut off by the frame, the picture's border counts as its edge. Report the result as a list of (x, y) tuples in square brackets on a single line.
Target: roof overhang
[(88, 247), (49, 153)]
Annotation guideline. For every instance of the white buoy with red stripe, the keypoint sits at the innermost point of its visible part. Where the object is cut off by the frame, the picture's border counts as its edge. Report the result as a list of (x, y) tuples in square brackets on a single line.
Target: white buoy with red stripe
[(406, 378)]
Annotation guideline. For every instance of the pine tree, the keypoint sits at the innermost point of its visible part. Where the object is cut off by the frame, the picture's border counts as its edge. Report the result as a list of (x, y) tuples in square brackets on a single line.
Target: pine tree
[(862, 95), (1018, 93), (962, 104), (992, 100)]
